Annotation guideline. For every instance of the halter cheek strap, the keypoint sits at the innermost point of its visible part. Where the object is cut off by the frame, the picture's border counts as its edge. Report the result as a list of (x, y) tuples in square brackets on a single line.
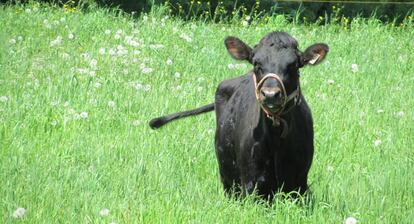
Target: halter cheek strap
[(275, 116)]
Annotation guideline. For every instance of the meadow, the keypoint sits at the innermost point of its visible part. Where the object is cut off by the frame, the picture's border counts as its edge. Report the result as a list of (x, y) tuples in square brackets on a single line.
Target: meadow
[(77, 89)]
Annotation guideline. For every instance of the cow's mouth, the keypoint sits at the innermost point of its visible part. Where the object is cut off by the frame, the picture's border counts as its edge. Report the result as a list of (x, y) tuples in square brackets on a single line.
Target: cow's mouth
[(273, 107)]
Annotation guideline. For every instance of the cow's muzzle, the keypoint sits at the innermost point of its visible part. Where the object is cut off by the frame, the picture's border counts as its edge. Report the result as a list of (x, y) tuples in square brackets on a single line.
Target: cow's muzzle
[(273, 100)]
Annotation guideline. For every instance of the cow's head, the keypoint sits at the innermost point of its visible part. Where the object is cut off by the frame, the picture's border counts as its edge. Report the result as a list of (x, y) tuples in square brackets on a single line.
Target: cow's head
[(276, 60)]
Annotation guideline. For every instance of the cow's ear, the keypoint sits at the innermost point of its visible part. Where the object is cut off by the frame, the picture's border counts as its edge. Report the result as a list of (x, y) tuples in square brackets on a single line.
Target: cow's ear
[(238, 49), (314, 54)]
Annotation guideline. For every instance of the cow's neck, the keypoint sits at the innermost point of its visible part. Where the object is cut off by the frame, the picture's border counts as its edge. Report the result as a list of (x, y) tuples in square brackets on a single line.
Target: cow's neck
[(285, 124)]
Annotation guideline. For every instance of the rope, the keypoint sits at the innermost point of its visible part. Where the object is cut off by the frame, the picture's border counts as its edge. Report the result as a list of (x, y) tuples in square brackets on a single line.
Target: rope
[(350, 2)]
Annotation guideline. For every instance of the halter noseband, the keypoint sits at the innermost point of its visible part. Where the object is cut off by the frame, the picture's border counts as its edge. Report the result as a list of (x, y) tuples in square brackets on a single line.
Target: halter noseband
[(275, 116)]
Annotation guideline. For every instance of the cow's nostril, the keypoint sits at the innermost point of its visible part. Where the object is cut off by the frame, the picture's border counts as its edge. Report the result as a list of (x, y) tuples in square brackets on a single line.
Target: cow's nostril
[(270, 93)]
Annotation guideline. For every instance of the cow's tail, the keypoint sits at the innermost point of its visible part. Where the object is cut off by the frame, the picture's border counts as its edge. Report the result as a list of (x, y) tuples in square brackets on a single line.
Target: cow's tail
[(160, 121)]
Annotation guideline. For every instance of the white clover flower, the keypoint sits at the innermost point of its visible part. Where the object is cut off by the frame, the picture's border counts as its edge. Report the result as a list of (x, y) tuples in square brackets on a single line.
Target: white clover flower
[(19, 213), (156, 46), (85, 55), (331, 82), (71, 36), (175, 29), (93, 63), (400, 114), (199, 89), (380, 111), (107, 32), (245, 23), (54, 123), (231, 66), (4, 99), (377, 142), (19, 38), (66, 104), (83, 115), (169, 62), (330, 168), (177, 75), (102, 51), (138, 86), (92, 73), (63, 19), (97, 85), (28, 11), (186, 37), (350, 220), (83, 71), (145, 18), (117, 36), (56, 41), (104, 212), (147, 88), (247, 18), (65, 55), (178, 88), (136, 123), (147, 70), (112, 52), (12, 41), (111, 104), (122, 52), (354, 68), (136, 52), (119, 31)]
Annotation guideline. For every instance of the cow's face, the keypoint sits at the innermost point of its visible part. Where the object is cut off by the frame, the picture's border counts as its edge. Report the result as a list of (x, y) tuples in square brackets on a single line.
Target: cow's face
[(276, 54)]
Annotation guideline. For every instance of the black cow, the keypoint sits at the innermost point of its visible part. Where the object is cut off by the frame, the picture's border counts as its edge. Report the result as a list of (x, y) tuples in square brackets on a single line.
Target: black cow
[(264, 134)]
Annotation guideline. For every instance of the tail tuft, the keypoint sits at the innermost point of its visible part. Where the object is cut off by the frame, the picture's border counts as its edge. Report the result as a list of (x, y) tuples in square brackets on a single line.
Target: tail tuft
[(157, 122)]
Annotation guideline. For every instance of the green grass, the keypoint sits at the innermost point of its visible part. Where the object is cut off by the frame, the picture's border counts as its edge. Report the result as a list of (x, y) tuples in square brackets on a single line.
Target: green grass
[(65, 167)]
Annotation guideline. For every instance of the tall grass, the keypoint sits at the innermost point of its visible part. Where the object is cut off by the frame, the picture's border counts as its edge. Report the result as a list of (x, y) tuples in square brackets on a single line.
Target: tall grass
[(78, 88)]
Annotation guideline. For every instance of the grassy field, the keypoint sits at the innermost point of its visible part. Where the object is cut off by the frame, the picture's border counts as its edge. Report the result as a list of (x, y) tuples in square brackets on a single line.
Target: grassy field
[(78, 88)]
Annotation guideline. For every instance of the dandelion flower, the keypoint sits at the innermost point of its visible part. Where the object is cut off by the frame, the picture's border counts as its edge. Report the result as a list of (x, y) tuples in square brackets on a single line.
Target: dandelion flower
[(331, 82), (97, 85), (330, 168), (12, 41), (400, 114), (19, 213), (117, 36), (245, 23), (177, 75), (71, 36), (169, 62), (107, 32), (199, 89)]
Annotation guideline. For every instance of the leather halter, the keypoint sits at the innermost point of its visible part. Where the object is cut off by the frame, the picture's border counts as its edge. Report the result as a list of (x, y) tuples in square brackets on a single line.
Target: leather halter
[(276, 116)]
